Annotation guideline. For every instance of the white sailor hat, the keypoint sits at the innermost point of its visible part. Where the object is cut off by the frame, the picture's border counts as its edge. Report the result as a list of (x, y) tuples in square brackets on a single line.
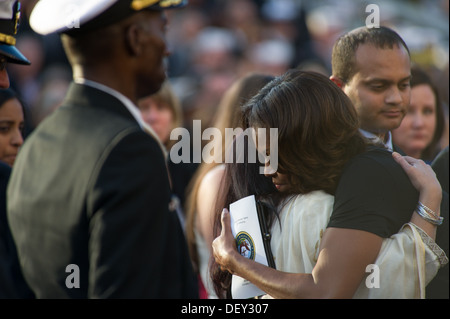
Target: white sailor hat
[(79, 16), (9, 23)]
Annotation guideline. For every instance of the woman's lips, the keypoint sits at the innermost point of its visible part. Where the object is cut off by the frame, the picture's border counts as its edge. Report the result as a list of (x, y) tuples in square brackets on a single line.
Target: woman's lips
[(278, 186)]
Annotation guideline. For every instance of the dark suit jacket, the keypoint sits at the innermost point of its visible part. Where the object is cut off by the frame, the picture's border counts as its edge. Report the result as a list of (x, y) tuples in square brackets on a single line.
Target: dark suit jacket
[(90, 188), (438, 288)]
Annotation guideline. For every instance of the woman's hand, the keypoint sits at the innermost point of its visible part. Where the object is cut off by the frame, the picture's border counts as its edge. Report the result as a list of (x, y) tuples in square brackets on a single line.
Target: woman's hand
[(421, 174), (224, 246), (424, 180)]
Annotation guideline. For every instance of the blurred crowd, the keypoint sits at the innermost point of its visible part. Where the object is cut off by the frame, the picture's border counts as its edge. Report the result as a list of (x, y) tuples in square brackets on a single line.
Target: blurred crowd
[(216, 42)]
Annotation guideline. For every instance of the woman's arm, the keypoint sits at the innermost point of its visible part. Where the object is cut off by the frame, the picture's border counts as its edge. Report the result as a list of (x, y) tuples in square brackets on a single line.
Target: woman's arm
[(424, 180), (206, 200), (343, 258)]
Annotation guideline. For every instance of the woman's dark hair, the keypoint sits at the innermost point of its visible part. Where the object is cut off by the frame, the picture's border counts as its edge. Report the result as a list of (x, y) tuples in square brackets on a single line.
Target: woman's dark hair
[(318, 128), (318, 133), (8, 94)]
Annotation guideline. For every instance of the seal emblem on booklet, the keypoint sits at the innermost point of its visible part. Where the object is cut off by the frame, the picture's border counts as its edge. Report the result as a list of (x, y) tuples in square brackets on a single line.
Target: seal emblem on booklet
[(249, 228)]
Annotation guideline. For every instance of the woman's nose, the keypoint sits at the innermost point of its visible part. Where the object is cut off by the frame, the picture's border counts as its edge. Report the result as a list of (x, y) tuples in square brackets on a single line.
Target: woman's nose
[(17, 138)]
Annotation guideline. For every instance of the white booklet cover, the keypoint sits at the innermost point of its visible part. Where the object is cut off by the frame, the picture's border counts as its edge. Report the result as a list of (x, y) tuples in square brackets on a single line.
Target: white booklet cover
[(247, 232)]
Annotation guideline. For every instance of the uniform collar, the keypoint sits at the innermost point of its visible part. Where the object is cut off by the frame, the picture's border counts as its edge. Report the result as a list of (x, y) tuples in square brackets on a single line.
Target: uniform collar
[(131, 107)]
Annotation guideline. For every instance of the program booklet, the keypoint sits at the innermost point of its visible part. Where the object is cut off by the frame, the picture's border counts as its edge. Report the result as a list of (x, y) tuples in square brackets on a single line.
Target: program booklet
[(252, 241)]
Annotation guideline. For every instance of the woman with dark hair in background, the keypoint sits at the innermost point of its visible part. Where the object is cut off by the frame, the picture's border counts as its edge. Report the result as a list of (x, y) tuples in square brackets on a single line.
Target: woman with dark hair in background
[(12, 124), (12, 119), (421, 129)]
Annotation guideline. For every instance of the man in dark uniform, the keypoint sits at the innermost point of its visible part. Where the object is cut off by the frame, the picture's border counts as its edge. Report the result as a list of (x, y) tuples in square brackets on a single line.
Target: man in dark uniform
[(89, 195), (12, 284)]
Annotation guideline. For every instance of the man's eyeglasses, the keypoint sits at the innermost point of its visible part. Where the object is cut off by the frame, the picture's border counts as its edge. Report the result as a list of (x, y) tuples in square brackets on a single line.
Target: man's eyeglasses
[(3, 63)]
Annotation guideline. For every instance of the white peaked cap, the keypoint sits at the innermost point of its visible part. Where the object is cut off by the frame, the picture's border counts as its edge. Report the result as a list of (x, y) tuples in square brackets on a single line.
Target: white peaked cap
[(49, 16), (70, 16)]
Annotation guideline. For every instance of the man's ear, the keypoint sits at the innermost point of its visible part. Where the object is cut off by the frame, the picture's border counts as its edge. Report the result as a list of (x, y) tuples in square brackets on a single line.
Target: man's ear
[(338, 81), (133, 39)]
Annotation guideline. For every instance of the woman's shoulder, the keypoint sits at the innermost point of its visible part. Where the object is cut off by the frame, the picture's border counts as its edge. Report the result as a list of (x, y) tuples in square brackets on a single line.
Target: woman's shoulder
[(315, 196), (307, 211), (311, 201), (214, 174), (210, 182)]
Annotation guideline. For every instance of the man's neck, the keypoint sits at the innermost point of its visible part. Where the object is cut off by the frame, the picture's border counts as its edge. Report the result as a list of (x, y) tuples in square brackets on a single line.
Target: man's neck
[(114, 82)]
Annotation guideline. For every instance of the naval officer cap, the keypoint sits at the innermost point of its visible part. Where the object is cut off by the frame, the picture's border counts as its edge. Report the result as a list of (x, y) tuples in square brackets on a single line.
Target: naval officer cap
[(9, 23), (79, 16)]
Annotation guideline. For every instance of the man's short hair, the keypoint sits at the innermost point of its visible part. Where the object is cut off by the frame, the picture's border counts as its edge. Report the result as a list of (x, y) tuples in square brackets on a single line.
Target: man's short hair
[(343, 59)]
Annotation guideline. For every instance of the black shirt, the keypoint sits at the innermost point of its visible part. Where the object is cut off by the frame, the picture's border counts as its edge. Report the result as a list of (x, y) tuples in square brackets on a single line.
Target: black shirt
[(374, 194)]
